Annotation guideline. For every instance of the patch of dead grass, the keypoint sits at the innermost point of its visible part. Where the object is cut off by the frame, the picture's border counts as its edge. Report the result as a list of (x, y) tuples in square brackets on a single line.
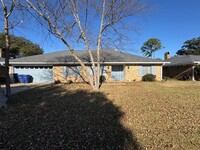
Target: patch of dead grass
[(162, 115)]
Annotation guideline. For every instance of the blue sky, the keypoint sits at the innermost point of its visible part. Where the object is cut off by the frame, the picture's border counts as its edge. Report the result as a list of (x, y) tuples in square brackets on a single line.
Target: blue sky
[(171, 21)]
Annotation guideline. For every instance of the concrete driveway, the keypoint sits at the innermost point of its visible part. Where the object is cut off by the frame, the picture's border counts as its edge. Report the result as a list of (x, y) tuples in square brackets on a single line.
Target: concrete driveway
[(19, 87)]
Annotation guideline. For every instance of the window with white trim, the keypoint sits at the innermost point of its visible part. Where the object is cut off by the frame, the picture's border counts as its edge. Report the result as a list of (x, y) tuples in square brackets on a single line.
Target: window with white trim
[(146, 69), (71, 71), (102, 70)]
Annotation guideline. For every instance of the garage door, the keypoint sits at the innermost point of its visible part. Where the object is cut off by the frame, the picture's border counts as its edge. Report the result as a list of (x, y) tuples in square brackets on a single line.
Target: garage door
[(38, 73)]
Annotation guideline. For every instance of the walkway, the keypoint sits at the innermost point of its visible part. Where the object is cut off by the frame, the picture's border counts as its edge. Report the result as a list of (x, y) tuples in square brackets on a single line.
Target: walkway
[(16, 88)]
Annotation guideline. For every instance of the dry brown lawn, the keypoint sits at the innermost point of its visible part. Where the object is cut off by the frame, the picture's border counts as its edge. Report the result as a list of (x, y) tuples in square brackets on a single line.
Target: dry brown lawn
[(161, 115), (138, 115)]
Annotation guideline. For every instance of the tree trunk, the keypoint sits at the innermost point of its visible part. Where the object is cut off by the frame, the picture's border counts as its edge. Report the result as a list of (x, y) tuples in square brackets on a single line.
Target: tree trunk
[(99, 46), (7, 52)]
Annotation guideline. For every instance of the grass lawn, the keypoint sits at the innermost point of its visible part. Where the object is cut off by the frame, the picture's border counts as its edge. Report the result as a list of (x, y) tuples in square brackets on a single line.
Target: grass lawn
[(139, 115)]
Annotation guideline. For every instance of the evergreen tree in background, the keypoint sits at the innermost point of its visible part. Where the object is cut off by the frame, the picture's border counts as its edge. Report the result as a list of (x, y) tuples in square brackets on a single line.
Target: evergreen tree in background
[(190, 47), (150, 46), (20, 47)]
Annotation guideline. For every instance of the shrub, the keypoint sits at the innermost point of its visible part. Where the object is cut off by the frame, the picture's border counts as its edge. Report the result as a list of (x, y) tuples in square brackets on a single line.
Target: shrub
[(184, 77), (69, 81), (149, 77), (197, 72), (57, 82), (166, 78), (2, 80), (102, 79)]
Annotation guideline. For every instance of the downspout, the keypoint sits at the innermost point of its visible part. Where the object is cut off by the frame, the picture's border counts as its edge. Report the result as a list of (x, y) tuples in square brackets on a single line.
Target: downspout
[(161, 71), (193, 79), (193, 67)]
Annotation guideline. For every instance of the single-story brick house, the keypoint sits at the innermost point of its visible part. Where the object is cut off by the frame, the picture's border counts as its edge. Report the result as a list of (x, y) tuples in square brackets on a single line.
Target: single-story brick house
[(181, 66), (115, 66)]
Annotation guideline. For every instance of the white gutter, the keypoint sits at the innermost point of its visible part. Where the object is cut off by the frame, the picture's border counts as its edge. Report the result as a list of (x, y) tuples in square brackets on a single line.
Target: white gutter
[(196, 62), (74, 63), (133, 62), (31, 63)]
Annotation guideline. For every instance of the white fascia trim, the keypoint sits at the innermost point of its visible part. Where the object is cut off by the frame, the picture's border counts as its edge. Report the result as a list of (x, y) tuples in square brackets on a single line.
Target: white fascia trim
[(135, 62), (31, 63), (196, 62), (75, 63)]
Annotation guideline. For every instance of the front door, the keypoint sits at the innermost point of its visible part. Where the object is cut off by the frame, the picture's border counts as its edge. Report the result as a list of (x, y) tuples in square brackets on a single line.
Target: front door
[(118, 72)]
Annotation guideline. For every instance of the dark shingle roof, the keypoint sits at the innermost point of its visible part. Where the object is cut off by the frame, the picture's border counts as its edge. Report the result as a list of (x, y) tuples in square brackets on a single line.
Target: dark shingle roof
[(183, 60), (65, 56)]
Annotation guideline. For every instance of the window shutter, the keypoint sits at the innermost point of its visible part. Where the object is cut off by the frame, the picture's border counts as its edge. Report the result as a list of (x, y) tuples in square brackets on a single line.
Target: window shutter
[(90, 71), (73, 71), (78, 70), (140, 71), (103, 70), (64, 71), (153, 70)]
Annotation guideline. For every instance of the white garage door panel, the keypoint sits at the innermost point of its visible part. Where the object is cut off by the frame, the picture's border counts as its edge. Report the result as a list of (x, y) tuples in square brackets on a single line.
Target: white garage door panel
[(39, 74)]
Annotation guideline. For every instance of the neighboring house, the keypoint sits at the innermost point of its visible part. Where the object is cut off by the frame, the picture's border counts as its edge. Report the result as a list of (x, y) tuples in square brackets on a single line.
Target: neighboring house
[(181, 67), (2, 69), (115, 66)]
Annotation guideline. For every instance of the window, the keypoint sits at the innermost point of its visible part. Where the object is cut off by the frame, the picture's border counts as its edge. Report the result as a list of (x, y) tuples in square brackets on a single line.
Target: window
[(146, 70), (71, 71), (118, 73), (102, 70)]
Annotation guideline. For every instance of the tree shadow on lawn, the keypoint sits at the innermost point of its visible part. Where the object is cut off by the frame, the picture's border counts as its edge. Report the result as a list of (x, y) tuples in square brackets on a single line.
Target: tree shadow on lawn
[(56, 118)]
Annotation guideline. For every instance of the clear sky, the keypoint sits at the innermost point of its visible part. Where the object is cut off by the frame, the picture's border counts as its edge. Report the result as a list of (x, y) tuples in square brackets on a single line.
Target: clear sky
[(171, 21)]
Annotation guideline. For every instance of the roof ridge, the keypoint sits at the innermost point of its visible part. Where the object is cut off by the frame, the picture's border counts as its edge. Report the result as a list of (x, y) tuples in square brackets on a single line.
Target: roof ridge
[(107, 55)]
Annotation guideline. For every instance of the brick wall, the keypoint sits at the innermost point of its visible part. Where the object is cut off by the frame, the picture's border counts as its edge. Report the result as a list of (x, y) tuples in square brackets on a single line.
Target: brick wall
[(108, 73), (131, 73), (58, 75), (158, 70)]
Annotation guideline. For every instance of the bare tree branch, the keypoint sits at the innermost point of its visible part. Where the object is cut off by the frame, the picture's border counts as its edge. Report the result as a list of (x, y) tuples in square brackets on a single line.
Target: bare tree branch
[(7, 47), (89, 23), (58, 34)]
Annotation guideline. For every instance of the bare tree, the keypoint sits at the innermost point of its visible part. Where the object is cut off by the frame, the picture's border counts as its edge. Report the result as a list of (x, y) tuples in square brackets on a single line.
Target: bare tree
[(7, 10), (86, 22)]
